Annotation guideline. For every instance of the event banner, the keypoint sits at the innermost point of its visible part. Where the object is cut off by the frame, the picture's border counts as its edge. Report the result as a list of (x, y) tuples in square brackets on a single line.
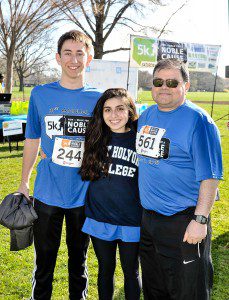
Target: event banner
[(145, 52)]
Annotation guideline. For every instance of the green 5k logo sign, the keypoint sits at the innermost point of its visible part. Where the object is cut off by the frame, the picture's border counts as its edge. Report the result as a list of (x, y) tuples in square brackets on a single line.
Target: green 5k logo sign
[(144, 51)]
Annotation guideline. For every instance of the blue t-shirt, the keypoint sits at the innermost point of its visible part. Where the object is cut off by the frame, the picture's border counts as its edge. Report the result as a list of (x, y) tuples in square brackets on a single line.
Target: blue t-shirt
[(59, 117), (110, 232), (177, 150)]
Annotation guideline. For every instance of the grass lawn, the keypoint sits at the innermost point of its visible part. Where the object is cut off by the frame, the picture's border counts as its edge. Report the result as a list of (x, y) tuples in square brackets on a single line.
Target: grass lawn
[(145, 96), (16, 95), (16, 267)]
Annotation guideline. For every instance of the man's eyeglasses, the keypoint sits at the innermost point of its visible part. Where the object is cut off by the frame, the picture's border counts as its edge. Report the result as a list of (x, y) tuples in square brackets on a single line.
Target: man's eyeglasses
[(170, 83)]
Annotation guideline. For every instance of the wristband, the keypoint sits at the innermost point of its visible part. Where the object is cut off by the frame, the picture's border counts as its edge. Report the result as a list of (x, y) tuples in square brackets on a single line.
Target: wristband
[(200, 219)]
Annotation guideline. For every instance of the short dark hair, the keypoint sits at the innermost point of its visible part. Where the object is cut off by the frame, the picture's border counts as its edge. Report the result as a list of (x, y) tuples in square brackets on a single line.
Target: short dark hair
[(76, 36), (1, 76), (173, 63)]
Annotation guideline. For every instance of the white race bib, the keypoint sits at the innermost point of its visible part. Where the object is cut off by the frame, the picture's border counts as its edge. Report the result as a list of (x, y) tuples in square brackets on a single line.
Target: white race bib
[(68, 153), (148, 141)]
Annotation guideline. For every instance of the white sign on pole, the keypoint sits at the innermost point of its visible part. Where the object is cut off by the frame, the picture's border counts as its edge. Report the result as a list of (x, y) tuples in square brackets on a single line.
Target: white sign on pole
[(105, 74), (12, 127)]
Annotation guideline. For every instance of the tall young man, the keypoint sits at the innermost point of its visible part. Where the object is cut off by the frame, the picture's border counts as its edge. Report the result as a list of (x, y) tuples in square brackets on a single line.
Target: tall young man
[(180, 163), (57, 118)]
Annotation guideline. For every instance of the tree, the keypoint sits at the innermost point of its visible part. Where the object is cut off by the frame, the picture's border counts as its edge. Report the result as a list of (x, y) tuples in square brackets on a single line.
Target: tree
[(205, 81), (200, 81), (2, 65), (43, 76), (21, 19), (145, 79), (32, 55), (98, 18)]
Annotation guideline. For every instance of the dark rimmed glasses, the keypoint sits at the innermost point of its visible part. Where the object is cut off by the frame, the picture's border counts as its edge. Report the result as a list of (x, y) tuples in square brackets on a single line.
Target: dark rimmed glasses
[(170, 83)]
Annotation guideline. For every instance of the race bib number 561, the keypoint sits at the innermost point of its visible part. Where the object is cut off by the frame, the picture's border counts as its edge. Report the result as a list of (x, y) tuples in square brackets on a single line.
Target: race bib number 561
[(68, 153), (148, 141)]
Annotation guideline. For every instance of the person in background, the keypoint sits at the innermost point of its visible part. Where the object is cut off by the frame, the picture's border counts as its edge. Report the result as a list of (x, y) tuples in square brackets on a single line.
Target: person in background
[(57, 118), (180, 164), (2, 84), (113, 207)]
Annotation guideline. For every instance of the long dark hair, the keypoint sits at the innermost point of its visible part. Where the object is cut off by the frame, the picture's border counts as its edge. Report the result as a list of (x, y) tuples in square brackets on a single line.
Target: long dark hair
[(96, 159)]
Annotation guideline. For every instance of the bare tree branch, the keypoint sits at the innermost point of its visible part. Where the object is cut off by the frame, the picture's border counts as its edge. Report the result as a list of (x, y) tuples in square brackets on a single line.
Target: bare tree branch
[(100, 17), (87, 18), (118, 17), (115, 50), (24, 18), (32, 54), (169, 19)]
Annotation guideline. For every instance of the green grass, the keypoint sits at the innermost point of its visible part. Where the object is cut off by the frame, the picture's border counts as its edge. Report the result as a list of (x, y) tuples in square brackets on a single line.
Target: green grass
[(16, 95), (16, 267), (145, 96)]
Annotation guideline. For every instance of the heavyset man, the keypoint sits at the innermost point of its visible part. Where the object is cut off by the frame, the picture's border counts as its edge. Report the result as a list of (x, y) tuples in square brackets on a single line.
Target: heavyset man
[(57, 118), (180, 164)]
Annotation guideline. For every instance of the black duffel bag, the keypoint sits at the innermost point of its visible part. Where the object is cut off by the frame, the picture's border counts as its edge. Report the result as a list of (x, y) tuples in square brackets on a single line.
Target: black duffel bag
[(17, 212)]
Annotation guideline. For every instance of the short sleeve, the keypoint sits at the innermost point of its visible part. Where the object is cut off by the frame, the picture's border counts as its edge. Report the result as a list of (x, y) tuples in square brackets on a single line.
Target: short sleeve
[(33, 126), (206, 150)]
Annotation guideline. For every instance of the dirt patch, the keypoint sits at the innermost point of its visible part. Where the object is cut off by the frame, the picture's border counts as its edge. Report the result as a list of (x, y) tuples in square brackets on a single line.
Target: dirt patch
[(215, 102)]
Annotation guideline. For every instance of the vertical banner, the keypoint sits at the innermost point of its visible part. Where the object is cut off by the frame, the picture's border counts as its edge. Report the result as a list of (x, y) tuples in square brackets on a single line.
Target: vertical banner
[(168, 49), (203, 57), (145, 52)]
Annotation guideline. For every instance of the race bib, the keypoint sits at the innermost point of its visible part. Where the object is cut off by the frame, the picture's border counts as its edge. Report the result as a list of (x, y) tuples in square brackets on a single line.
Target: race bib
[(68, 153), (148, 141)]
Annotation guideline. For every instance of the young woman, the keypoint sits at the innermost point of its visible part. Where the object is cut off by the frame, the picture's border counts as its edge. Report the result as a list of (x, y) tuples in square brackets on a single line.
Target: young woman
[(113, 208)]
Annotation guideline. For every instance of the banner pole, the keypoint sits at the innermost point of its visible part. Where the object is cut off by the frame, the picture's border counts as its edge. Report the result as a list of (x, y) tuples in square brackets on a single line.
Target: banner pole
[(128, 70), (214, 90)]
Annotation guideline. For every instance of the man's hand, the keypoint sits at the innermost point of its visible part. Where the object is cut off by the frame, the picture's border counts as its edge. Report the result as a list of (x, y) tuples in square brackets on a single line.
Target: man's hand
[(24, 189), (195, 232)]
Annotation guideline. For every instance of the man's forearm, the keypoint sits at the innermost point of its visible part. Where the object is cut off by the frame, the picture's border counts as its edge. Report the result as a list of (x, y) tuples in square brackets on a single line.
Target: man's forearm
[(196, 232), (207, 194), (31, 147)]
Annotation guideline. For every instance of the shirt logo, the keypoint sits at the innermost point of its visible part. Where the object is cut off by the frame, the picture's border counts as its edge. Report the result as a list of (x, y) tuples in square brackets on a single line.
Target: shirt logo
[(59, 125)]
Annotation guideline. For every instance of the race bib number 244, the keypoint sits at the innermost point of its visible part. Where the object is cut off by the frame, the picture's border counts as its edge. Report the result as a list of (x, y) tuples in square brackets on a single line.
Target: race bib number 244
[(68, 153)]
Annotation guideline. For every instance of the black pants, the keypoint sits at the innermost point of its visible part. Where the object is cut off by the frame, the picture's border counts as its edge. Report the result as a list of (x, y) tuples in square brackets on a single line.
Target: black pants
[(106, 255), (47, 236), (172, 269)]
